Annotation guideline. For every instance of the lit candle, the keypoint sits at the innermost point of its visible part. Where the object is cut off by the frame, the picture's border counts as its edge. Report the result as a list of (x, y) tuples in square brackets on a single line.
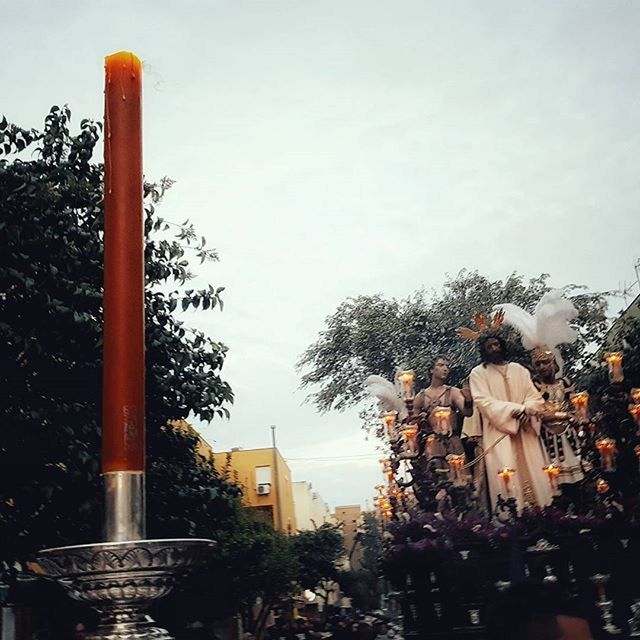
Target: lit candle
[(506, 474), (456, 462), (580, 402), (409, 433), (442, 416), (552, 473), (634, 410), (406, 380), (123, 441), (389, 419), (607, 449), (614, 362), (602, 486), (428, 449), (387, 469)]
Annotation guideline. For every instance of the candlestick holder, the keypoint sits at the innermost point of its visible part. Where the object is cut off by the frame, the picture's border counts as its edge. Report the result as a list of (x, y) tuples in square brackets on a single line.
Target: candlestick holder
[(634, 410), (580, 403), (120, 580), (405, 378), (442, 417), (409, 434), (604, 604), (614, 363), (607, 449), (634, 621)]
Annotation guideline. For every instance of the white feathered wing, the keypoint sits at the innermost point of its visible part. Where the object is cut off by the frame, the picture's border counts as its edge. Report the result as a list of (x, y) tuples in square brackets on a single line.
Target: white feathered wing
[(385, 391)]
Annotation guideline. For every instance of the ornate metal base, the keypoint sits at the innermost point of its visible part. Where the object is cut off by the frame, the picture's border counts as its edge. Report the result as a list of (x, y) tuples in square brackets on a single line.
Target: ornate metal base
[(121, 579)]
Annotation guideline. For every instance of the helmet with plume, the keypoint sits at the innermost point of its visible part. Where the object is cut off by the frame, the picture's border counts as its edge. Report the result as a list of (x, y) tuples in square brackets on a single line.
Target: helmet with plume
[(545, 329)]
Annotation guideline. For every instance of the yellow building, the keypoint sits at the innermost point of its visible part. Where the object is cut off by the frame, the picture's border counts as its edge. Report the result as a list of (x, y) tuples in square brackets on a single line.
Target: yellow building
[(203, 448), (265, 479)]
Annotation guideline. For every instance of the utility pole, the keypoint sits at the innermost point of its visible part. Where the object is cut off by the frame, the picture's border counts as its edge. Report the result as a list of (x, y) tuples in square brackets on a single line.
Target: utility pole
[(276, 478)]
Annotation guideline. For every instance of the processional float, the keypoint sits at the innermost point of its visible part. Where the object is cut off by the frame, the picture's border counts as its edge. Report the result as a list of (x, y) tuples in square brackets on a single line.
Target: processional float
[(587, 542), (123, 575)]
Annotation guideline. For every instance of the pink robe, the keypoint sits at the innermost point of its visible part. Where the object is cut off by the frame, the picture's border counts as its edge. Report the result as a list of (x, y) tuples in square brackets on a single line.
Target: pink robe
[(497, 390)]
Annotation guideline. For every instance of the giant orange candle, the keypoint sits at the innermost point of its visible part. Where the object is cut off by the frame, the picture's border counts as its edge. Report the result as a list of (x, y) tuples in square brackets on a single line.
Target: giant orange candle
[(123, 442)]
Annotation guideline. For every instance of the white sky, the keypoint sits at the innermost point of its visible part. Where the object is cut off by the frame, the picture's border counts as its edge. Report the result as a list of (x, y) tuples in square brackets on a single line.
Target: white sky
[(330, 148)]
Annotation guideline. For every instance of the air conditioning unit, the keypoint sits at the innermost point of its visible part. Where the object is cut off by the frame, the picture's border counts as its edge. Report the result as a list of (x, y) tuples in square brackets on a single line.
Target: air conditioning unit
[(264, 489)]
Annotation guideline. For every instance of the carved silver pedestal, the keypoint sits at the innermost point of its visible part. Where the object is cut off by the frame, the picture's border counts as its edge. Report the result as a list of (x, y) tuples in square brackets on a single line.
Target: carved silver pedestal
[(604, 604), (121, 580)]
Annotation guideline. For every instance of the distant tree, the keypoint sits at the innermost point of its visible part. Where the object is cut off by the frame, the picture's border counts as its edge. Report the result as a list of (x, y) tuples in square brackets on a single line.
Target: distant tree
[(374, 335), (253, 563), (318, 552), (363, 585), (594, 378), (51, 242)]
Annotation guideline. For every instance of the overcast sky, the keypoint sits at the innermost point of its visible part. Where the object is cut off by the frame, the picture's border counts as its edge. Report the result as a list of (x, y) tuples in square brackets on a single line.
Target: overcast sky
[(332, 148)]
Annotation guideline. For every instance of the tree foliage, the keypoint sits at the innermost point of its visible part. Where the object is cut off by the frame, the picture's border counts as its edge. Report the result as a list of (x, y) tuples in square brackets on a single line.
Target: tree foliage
[(253, 561), (51, 239), (624, 336), (318, 552), (374, 335), (363, 585)]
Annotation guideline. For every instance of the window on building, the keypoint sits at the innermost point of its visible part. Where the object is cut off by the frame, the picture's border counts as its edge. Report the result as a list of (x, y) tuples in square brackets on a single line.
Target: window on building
[(263, 475)]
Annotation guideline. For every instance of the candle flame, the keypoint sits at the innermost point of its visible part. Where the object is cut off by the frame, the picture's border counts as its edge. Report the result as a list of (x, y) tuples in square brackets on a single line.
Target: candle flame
[(406, 376), (551, 470), (409, 430), (580, 399), (389, 418)]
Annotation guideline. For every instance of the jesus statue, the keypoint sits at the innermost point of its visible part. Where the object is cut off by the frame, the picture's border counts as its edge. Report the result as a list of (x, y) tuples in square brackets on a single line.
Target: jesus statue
[(506, 398)]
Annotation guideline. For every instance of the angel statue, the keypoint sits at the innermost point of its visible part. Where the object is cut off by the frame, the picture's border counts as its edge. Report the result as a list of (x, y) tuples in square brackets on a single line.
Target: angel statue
[(541, 333)]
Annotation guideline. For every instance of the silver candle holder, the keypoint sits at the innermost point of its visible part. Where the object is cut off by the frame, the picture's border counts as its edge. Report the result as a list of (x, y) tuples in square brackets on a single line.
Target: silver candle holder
[(120, 580), (604, 604)]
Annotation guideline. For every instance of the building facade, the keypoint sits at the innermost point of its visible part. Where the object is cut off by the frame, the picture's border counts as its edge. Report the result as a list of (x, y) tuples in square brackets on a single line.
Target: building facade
[(311, 510), (265, 479), (352, 520)]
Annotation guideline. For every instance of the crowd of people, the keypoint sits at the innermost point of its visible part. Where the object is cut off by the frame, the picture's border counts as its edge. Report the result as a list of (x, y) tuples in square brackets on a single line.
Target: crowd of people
[(341, 627)]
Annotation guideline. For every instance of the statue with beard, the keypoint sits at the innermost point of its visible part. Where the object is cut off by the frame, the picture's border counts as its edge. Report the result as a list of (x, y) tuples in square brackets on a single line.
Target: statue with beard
[(506, 399)]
